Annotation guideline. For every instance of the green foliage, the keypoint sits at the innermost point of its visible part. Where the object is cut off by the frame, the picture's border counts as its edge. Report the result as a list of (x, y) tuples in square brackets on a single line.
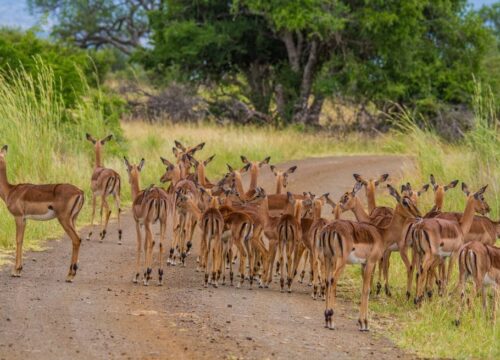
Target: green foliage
[(418, 53), (20, 50)]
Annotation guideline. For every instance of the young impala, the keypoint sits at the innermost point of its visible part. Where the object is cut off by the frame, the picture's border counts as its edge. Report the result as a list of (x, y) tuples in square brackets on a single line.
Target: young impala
[(41, 202), (105, 182)]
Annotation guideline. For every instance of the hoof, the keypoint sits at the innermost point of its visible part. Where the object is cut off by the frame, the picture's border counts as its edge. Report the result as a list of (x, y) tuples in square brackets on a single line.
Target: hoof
[(69, 280), (15, 275), (408, 295), (379, 287), (456, 322)]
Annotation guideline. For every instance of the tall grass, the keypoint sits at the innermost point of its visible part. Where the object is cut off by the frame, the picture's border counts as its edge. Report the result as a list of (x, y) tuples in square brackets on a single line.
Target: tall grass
[(46, 143)]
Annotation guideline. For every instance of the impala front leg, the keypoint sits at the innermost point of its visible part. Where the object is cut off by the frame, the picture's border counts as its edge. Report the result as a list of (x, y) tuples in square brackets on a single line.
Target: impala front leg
[(20, 226)]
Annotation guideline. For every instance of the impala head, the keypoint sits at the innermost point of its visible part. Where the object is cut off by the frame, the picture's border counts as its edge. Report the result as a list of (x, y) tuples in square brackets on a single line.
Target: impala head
[(259, 195), (171, 172), (405, 206), (183, 154), (406, 190), (208, 199), (439, 191), (348, 200), (371, 184), (480, 204), (98, 143), (133, 171), (282, 176), (253, 167)]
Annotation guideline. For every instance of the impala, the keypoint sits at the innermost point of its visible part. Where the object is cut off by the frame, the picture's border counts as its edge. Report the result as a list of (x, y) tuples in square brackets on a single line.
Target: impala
[(212, 225), (104, 182), (482, 263), (149, 206), (41, 202), (437, 239), (348, 242)]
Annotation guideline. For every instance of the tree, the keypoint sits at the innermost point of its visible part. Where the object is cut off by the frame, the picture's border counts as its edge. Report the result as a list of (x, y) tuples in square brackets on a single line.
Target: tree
[(296, 52), (97, 23)]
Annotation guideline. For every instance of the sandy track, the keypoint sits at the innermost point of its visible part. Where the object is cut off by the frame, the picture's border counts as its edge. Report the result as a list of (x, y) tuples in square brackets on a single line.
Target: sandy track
[(103, 315)]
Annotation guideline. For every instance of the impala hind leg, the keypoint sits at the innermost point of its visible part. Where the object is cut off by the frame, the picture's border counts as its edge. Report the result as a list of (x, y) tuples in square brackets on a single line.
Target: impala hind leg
[(107, 214), (67, 225), (20, 227), (92, 217), (118, 212), (163, 233), (148, 250)]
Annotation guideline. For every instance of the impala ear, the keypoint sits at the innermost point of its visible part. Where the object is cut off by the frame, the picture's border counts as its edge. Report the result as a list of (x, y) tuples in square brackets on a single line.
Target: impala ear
[(265, 161), (273, 169), (230, 168), (465, 189), (196, 148), (403, 188), (451, 185), (394, 192), (165, 161), (141, 164), (381, 179), (246, 167), (175, 151), (106, 139), (424, 189), (357, 187), (206, 162), (330, 201), (480, 192), (127, 164), (358, 178), (179, 145), (291, 170), (90, 138), (289, 196), (4, 149), (244, 159)]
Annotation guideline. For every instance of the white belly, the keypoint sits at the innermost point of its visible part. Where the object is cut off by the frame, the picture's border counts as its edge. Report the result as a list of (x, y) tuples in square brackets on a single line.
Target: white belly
[(394, 247), (353, 259), (49, 215), (443, 253), (488, 280)]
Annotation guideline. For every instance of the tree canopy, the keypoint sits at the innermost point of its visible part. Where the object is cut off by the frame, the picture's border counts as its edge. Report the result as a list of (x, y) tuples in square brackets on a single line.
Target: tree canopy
[(299, 51)]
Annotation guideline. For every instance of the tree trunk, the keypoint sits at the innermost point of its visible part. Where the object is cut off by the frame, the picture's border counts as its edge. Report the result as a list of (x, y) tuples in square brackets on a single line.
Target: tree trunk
[(258, 79), (300, 110)]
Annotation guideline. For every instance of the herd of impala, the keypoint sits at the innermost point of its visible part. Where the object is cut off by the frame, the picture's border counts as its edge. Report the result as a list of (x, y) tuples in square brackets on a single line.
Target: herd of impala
[(281, 230)]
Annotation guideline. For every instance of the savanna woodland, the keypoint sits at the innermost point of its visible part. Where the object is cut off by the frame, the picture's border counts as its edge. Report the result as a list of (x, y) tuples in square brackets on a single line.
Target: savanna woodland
[(108, 100)]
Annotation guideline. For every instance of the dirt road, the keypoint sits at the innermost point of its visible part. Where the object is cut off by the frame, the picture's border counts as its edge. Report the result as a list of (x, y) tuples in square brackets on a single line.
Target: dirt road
[(103, 315)]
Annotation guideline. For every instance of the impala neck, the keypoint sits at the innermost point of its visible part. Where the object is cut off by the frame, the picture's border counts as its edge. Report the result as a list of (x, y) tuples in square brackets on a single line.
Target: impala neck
[(254, 173), (98, 156), (370, 196), (4, 183), (176, 175), (359, 212), (279, 184), (317, 210), (337, 212), (439, 199), (239, 183), (135, 186), (200, 172), (395, 226), (468, 215)]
